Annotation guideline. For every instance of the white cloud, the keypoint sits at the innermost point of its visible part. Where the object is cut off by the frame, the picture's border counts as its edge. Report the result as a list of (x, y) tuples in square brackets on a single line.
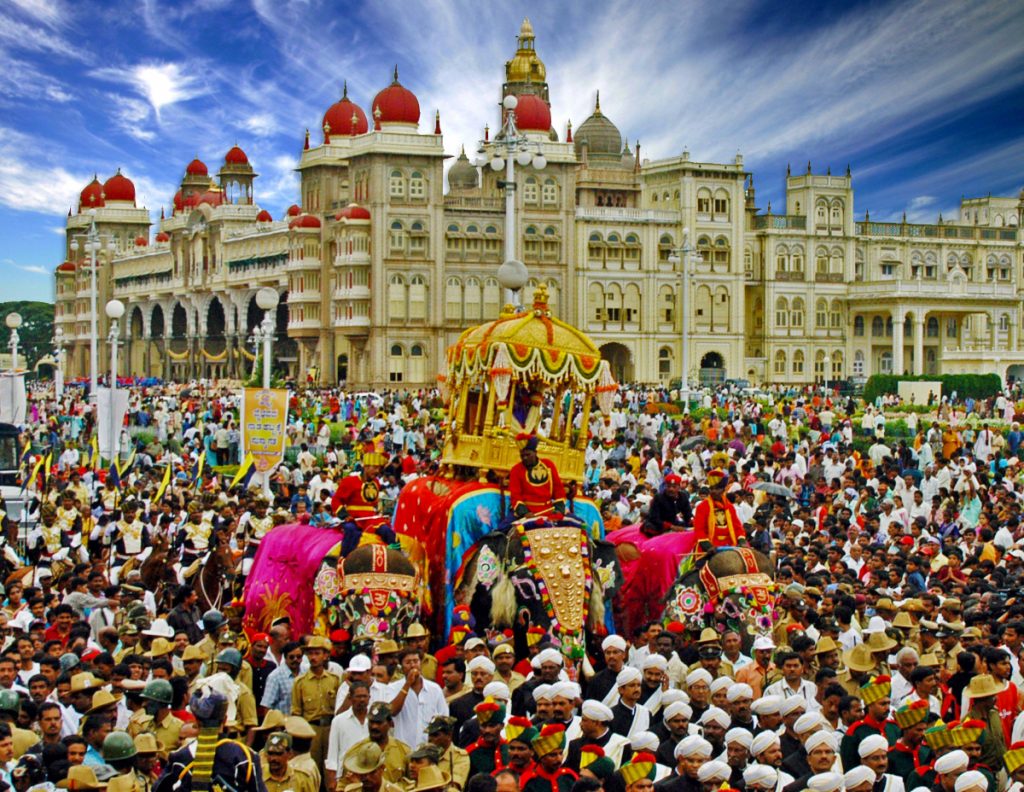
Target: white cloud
[(46, 11), (36, 269), (921, 201), (262, 124), (161, 84), (33, 185)]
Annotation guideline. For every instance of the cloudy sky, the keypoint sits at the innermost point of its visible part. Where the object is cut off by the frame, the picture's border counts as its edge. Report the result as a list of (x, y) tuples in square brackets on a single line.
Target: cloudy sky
[(923, 99)]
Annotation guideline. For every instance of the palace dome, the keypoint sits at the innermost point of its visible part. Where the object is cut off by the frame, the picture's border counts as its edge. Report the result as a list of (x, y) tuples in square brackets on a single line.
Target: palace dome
[(397, 104), (119, 188), (235, 156), (533, 113), (600, 135), (353, 212), (91, 196), (339, 116), (67, 266), (305, 221), (163, 236), (462, 174), (264, 217), (197, 168), (294, 210)]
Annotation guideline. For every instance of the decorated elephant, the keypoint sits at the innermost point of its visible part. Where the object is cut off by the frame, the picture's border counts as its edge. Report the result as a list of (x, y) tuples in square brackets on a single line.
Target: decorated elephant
[(553, 575), (732, 589)]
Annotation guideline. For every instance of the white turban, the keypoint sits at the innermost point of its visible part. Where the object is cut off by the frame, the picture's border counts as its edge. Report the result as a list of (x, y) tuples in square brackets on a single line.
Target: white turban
[(677, 708), (614, 642), (716, 715), (806, 722), (760, 776), (644, 741), (566, 690), (694, 745), (738, 691), (972, 779), (872, 743), (672, 695), (791, 705), (819, 738), (627, 675), (714, 771), (698, 675), (722, 683), (542, 693), (597, 711), (740, 736), (954, 760), (826, 782), (481, 661), (498, 690), (767, 705), (763, 741), (655, 661), (549, 655), (862, 774)]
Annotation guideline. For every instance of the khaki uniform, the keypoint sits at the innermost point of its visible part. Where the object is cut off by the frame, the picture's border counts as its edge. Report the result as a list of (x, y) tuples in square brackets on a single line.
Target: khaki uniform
[(245, 675), (303, 765), (396, 758), (455, 764), (23, 740), (779, 632), (848, 683), (725, 669), (385, 786), (948, 659), (245, 712), (313, 699), (450, 697), (168, 731), (208, 647), (291, 782), (428, 667), (514, 680)]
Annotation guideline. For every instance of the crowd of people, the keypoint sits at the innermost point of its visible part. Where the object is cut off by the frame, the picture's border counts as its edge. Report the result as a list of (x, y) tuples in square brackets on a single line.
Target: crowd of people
[(892, 662)]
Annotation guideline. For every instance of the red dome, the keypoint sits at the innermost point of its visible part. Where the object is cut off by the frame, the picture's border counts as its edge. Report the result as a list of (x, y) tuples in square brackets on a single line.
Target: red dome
[(305, 221), (141, 241), (178, 203), (212, 197), (339, 116), (533, 113), (119, 188), (264, 217), (191, 201), (353, 212), (235, 156), (91, 196), (294, 210), (163, 236), (67, 266), (397, 104), (197, 168)]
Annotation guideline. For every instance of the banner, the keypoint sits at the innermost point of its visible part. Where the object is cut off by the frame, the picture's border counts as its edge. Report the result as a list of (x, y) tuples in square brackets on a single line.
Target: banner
[(108, 422), (264, 417), (12, 398)]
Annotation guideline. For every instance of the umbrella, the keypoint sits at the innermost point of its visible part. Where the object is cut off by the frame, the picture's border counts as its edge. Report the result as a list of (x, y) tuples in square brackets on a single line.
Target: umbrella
[(774, 489), (692, 442)]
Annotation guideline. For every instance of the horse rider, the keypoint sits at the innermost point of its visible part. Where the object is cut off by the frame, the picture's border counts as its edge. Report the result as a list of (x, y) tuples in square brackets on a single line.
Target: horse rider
[(131, 541), (256, 527), (194, 536), (46, 543)]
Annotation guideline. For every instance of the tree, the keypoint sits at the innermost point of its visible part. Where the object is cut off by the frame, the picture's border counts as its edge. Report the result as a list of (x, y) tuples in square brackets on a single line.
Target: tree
[(35, 336)]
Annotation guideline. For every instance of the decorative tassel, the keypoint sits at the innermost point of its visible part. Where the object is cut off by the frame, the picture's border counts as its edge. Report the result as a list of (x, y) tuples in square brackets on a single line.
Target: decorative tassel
[(595, 613), (503, 603)]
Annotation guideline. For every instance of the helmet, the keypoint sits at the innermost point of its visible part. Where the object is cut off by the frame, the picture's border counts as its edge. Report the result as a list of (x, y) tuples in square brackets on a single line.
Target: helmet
[(159, 690), (230, 656), (213, 620), (209, 707), (10, 702), (118, 745)]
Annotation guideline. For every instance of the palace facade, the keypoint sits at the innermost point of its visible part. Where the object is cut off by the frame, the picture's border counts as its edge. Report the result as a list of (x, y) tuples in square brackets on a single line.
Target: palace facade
[(379, 267)]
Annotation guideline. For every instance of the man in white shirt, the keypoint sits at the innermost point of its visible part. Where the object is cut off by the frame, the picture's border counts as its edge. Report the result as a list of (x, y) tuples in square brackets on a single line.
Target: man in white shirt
[(347, 729), (416, 701), (792, 683)]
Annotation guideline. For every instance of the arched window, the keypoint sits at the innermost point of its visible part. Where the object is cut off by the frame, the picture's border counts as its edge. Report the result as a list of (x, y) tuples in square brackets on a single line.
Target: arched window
[(885, 362), (720, 316), (821, 261), (396, 363), (932, 327), (418, 298), (721, 206), (613, 303), (492, 298), (821, 212), (453, 299), (704, 201), (396, 237), (782, 259), (595, 302), (703, 308), (720, 254), (798, 362), (858, 363), (781, 312), (664, 363), (836, 316), (549, 193), (796, 313), (473, 300), (820, 367), (797, 257), (396, 184), (837, 364), (836, 261), (877, 327), (821, 313), (667, 305), (780, 363), (836, 216), (417, 186), (397, 298), (530, 190)]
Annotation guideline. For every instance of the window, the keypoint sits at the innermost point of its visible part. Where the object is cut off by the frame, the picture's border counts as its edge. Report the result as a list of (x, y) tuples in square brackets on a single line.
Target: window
[(396, 184), (836, 316), (885, 362), (396, 298), (796, 314), (473, 300), (417, 186), (1004, 322), (665, 245), (798, 259), (418, 298), (952, 330), (819, 364), (668, 305), (453, 299), (837, 364), (858, 363), (549, 194), (821, 261), (821, 314), (664, 362), (932, 327), (704, 201), (798, 362), (781, 312), (492, 298), (396, 363), (780, 363), (721, 204), (877, 327), (396, 238), (821, 213), (836, 217), (530, 190)]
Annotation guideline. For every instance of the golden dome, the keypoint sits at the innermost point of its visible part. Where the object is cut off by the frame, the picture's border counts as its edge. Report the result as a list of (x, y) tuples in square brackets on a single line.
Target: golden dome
[(525, 66)]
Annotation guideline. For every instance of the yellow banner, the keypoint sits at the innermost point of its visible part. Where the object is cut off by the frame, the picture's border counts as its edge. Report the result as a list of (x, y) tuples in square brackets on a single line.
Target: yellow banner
[(264, 416)]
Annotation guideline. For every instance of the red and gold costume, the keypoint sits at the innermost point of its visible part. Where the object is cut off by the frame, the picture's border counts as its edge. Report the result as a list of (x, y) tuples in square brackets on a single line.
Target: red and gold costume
[(715, 520), (539, 489), (359, 501)]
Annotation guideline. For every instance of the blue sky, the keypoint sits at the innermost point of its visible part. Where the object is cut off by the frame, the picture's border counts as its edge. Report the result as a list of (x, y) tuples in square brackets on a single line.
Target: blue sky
[(922, 99)]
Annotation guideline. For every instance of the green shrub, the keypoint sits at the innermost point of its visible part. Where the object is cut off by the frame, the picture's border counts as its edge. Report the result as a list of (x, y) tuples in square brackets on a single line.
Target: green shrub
[(977, 386)]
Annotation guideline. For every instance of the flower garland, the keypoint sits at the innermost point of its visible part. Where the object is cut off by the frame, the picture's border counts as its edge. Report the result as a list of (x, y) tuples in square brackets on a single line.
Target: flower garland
[(573, 639)]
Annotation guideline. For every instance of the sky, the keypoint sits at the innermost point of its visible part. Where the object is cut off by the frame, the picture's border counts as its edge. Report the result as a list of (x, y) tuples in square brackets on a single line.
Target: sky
[(921, 98)]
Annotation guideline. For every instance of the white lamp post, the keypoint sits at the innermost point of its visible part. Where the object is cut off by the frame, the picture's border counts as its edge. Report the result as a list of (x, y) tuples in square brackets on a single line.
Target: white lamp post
[(688, 258), (94, 242), (13, 322), (266, 299), (115, 310), (58, 370), (508, 149)]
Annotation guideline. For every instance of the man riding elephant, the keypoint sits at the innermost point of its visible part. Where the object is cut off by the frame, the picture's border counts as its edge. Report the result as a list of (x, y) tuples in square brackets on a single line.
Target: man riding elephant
[(715, 521), (535, 488), (356, 503)]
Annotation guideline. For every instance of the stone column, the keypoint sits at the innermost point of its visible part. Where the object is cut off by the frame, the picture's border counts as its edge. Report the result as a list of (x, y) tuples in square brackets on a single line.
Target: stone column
[(919, 319), (1014, 331), (898, 316)]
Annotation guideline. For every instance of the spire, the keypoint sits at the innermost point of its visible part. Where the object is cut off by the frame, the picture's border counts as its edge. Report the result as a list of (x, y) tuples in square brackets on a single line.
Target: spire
[(344, 90), (636, 162), (487, 133), (808, 167), (327, 132), (396, 74), (437, 122), (377, 113), (597, 103), (828, 171), (305, 146), (568, 131), (788, 171), (847, 170), (161, 213)]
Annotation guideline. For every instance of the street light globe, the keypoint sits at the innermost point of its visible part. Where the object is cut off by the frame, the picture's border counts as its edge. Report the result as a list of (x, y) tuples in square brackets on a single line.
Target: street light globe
[(673, 260), (74, 245), (115, 309), (540, 162), (13, 320), (497, 163), (512, 275), (510, 102), (266, 298), (59, 332), (686, 231), (523, 158)]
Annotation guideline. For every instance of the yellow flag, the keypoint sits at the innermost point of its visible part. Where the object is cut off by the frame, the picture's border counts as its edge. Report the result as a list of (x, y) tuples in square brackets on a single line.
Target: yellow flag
[(246, 464), (163, 484), (48, 465), (199, 468), (127, 464), (35, 471), (95, 461)]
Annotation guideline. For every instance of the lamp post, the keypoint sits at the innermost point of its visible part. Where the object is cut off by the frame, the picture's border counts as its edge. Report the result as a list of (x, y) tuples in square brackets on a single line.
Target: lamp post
[(58, 370), (94, 242), (13, 322), (688, 258), (508, 149), (115, 310), (266, 299)]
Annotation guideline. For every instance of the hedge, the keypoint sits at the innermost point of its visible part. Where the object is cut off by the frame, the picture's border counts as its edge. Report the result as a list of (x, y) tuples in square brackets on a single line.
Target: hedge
[(977, 386)]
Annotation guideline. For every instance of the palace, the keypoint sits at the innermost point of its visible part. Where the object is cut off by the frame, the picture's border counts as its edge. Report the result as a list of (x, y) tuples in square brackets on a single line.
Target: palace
[(379, 268)]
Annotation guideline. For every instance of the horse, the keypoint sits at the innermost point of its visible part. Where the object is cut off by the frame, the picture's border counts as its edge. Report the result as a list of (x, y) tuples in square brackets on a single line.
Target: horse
[(157, 571), (215, 578)]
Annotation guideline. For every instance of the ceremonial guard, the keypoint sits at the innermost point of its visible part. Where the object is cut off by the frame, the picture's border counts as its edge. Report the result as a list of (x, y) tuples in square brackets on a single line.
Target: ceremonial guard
[(875, 695), (356, 502), (534, 486), (548, 774), (130, 540), (194, 536), (46, 543), (715, 521), (258, 525), (489, 752)]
